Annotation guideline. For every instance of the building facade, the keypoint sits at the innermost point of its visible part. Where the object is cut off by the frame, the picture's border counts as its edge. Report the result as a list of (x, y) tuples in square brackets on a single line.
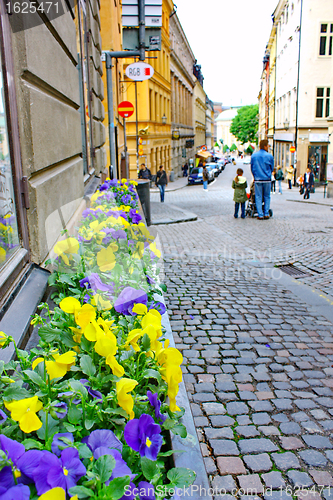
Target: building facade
[(200, 108), (209, 124), (301, 79), (182, 95), (223, 124), (53, 136)]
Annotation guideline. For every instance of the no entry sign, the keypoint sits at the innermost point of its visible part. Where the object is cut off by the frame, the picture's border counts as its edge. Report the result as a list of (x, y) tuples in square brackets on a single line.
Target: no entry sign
[(125, 109)]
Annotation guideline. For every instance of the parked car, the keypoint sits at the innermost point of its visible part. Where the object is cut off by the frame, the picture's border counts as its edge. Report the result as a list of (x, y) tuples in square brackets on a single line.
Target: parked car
[(214, 168), (222, 164), (195, 176)]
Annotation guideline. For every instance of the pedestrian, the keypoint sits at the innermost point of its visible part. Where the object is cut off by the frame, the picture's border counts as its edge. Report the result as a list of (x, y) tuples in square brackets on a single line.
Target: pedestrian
[(308, 183), (185, 170), (300, 182), (273, 185), (205, 177), (290, 175), (144, 172), (279, 177), (239, 184), (262, 165), (161, 181)]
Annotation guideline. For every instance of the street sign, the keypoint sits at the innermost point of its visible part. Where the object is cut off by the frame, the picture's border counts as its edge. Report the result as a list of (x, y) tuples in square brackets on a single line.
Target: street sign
[(139, 71), (153, 13), (292, 149), (125, 109)]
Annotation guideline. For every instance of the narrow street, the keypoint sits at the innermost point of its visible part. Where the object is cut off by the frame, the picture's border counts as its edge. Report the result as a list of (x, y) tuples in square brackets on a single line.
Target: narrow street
[(257, 343)]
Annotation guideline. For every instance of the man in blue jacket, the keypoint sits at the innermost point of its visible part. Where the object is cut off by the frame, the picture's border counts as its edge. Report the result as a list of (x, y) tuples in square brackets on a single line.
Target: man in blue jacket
[(262, 165)]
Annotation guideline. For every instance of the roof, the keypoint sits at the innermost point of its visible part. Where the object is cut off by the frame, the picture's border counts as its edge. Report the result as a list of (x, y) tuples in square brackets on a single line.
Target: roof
[(227, 115)]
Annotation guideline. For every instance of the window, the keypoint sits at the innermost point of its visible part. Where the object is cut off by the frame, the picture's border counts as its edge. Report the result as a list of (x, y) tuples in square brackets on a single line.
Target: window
[(323, 102), (326, 39), (287, 14)]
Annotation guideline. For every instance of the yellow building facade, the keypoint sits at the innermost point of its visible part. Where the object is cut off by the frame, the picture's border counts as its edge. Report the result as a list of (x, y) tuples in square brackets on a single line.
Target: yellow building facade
[(199, 113)]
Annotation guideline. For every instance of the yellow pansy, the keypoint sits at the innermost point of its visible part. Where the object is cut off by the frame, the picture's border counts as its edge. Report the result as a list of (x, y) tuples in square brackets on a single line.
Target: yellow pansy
[(55, 494), (100, 303), (66, 248), (125, 208), (106, 259), (60, 366), (77, 334), (155, 250), (132, 339), (139, 249), (116, 368), (70, 305), (3, 339), (106, 346), (24, 412), (170, 360), (2, 254), (140, 309), (153, 318), (85, 315), (125, 400)]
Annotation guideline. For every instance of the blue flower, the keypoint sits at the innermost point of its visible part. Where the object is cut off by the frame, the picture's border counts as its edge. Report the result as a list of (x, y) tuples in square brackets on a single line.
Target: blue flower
[(58, 444), (144, 436), (17, 492), (156, 404)]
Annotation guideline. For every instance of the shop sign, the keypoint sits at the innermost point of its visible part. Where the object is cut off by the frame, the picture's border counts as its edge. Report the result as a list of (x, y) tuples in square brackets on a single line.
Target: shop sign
[(329, 176)]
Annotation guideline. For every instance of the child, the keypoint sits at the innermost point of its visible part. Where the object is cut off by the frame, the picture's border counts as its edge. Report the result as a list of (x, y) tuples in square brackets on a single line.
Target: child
[(239, 184)]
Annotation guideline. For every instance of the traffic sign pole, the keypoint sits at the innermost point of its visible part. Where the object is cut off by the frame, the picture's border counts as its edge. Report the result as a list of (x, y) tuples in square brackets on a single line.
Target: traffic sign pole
[(126, 155), (112, 142)]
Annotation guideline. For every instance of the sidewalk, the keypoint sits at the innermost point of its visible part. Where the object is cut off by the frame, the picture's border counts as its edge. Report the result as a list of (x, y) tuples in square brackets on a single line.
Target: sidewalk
[(163, 213), (172, 186), (316, 198)]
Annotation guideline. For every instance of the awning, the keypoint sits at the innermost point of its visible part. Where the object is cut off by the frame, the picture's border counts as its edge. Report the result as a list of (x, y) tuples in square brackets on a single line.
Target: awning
[(204, 154)]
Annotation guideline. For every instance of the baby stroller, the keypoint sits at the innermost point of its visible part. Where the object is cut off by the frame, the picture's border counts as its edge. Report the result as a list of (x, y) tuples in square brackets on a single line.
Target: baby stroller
[(251, 209)]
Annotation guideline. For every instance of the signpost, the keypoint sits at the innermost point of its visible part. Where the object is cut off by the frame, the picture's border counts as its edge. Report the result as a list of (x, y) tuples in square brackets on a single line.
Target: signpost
[(152, 12), (139, 71), (125, 110)]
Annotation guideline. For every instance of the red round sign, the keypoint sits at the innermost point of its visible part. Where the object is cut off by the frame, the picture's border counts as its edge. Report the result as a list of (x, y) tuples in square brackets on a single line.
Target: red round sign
[(292, 149), (125, 109)]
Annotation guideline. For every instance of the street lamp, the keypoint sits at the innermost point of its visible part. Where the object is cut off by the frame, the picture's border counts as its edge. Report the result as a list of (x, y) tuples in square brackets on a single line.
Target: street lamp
[(164, 119), (286, 124)]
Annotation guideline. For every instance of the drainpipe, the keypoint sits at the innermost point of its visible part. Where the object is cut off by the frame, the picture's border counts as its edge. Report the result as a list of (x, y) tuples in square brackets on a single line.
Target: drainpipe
[(297, 90)]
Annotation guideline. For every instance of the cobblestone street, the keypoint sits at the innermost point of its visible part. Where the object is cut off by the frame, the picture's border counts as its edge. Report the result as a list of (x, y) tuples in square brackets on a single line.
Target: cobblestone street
[(257, 344)]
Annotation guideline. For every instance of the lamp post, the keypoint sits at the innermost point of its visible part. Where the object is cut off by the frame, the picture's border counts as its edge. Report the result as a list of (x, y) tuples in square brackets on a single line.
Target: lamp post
[(164, 119), (286, 124)]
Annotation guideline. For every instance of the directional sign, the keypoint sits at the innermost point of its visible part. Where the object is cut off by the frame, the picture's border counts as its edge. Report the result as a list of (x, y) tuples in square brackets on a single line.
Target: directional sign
[(125, 109), (139, 71)]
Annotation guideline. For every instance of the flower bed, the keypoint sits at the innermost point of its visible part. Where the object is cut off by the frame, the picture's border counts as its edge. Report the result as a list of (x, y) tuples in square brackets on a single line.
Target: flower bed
[(87, 413)]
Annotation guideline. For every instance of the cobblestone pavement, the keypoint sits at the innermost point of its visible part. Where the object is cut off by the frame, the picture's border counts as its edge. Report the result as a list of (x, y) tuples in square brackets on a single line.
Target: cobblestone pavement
[(258, 362)]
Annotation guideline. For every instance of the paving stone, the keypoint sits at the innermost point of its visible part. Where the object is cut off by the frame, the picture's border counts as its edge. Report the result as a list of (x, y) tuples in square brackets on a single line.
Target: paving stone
[(280, 417), (274, 480), (311, 426), (251, 482), (261, 418), (256, 445), (300, 416), (224, 483), (225, 386), (247, 430), (237, 408), (305, 404), (327, 494), (285, 461), (304, 494), (243, 420), (327, 424), (322, 478), (204, 387), (210, 465), (224, 447), (269, 430), (291, 443), (201, 421), (258, 463), (283, 404), (314, 458), (277, 495), (214, 408), (319, 442), (290, 428), (221, 432), (299, 479), (319, 414), (230, 465), (261, 405), (221, 421)]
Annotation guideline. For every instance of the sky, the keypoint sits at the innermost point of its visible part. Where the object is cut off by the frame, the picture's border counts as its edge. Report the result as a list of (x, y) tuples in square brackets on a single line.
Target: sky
[(228, 38)]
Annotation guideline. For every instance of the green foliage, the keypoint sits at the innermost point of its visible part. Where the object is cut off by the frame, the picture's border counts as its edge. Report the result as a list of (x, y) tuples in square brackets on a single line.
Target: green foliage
[(233, 147), (225, 148), (245, 124)]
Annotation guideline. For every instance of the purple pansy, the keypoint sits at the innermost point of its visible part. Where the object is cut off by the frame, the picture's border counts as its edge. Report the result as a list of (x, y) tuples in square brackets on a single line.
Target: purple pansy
[(92, 392), (121, 468), (3, 417), (126, 199), (130, 491), (102, 437), (150, 280), (60, 409), (156, 404), (95, 283), (63, 472), (17, 492), (135, 216), (58, 444), (144, 436), (24, 462), (159, 306), (146, 491), (127, 298)]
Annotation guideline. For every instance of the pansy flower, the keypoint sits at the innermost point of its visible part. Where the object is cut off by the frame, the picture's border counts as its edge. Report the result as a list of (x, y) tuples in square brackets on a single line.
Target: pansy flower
[(156, 404), (144, 436)]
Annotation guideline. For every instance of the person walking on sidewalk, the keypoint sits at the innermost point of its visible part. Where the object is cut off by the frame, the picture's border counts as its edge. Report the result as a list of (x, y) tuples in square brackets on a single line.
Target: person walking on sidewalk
[(290, 175), (205, 178), (239, 184), (279, 177), (144, 172), (161, 181), (308, 183), (262, 165)]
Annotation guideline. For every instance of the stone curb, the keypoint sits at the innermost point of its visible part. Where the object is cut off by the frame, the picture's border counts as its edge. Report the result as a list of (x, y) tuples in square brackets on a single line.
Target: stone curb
[(313, 202), (186, 217)]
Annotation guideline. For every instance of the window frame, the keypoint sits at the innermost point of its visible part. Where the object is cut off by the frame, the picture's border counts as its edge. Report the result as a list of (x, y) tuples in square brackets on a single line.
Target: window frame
[(324, 102), (327, 37), (17, 263)]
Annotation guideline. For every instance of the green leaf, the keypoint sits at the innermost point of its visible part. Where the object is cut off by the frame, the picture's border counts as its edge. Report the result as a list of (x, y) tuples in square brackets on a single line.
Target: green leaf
[(164, 287), (169, 453), (103, 467), (80, 491), (32, 444), (74, 415), (15, 391), (2, 366), (180, 429), (116, 488), (52, 279), (149, 468), (181, 477), (65, 278), (84, 451), (146, 342), (116, 411), (78, 387), (88, 423), (52, 425), (169, 423), (152, 374), (87, 365), (67, 339), (34, 377)]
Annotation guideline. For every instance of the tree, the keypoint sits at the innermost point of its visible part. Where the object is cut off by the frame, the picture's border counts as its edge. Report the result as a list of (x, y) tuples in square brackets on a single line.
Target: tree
[(249, 150), (225, 148), (233, 147), (245, 124)]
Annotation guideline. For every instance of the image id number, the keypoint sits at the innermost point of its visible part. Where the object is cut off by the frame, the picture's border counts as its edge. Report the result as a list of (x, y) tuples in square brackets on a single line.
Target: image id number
[(31, 8)]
